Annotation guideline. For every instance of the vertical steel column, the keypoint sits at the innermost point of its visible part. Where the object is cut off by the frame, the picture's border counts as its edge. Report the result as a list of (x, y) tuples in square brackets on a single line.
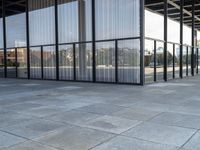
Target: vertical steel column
[(93, 41), (27, 39), (116, 61), (142, 42), (197, 58), (187, 61), (155, 61), (56, 39), (4, 38), (181, 38), (16, 63), (193, 35), (165, 38), (174, 61), (74, 60), (42, 63)]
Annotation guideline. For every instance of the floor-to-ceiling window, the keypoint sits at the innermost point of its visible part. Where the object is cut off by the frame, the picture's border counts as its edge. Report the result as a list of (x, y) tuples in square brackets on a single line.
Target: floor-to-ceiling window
[(42, 35), (117, 19), (16, 39), (75, 25)]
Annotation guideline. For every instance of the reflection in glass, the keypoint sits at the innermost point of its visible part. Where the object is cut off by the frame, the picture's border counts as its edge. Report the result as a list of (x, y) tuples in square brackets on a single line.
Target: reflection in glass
[(159, 61), (117, 18), (105, 61), (16, 30), (11, 63), (35, 63), (185, 60), (189, 61), (49, 62), (66, 62), (41, 22), (170, 61), (74, 20), (22, 63), (177, 61), (1, 63), (129, 61), (149, 61), (84, 62)]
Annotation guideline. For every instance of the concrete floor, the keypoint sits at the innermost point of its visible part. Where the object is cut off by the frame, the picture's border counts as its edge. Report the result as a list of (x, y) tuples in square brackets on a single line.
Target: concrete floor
[(49, 115)]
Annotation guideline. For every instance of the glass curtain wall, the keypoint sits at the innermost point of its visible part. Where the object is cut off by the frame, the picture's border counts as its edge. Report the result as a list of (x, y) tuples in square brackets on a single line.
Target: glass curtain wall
[(75, 25), (1, 44), (115, 19), (42, 32), (15, 38)]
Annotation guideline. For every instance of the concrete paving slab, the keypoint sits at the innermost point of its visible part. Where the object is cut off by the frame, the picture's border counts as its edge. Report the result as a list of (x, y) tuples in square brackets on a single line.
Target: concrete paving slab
[(7, 140), (194, 143), (176, 119), (75, 138), (163, 134), (126, 143), (112, 124), (30, 145)]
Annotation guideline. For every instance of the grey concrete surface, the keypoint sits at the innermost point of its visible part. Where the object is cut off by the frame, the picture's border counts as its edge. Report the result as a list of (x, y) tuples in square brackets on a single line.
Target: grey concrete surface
[(50, 115)]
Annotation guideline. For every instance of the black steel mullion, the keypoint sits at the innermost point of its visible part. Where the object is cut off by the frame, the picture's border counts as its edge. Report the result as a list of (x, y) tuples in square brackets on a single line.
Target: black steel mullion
[(155, 61), (173, 60), (197, 61), (165, 38), (187, 65), (42, 62), (4, 38), (74, 60), (181, 38), (142, 42), (116, 61), (93, 41), (16, 63), (56, 39), (27, 39), (193, 35)]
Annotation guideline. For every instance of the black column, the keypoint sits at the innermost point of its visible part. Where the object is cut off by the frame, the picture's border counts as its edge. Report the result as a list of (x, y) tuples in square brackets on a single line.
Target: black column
[(181, 38), (93, 41), (165, 39), (193, 35), (56, 38), (142, 42), (4, 38), (27, 39)]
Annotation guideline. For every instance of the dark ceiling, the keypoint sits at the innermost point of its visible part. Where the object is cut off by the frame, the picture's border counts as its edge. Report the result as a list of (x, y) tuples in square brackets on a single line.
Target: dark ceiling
[(174, 10)]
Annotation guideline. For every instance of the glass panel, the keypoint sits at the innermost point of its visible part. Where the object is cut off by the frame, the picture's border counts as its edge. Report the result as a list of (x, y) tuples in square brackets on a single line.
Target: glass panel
[(1, 27), (117, 18), (185, 58), (160, 61), (22, 63), (11, 63), (1, 63), (35, 63), (66, 62), (16, 26), (170, 61), (105, 61), (149, 61), (84, 62), (49, 62), (177, 61), (41, 22), (74, 20), (189, 61), (129, 61)]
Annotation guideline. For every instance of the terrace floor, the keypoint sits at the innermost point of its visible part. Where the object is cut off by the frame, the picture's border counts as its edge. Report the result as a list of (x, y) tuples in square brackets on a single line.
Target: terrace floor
[(50, 115)]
